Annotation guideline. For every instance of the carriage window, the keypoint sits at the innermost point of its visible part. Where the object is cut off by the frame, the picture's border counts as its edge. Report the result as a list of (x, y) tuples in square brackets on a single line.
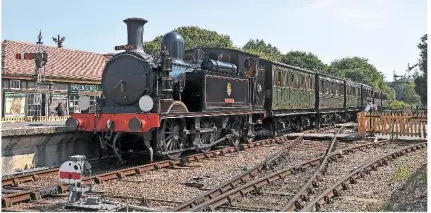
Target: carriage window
[(320, 86), (279, 78), (303, 82), (299, 85), (333, 88), (291, 79), (310, 81), (326, 84)]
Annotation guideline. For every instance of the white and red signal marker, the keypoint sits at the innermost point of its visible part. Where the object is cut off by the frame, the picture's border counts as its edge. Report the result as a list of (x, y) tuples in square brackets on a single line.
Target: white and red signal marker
[(70, 172)]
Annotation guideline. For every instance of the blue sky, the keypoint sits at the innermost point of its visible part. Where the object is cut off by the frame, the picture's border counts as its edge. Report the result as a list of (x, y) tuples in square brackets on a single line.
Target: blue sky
[(385, 31)]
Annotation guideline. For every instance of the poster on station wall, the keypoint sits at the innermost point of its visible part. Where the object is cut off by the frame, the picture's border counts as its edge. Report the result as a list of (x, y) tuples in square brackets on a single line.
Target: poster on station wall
[(14, 104), (56, 99)]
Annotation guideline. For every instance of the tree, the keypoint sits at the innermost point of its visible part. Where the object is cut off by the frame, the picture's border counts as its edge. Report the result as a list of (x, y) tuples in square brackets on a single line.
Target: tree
[(357, 69), (405, 91), (421, 78), (388, 90), (193, 37), (360, 70), (262, 49), (304, 60)]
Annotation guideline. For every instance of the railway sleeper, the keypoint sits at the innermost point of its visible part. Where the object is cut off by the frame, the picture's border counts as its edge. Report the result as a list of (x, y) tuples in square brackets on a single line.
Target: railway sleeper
[(352, 178)]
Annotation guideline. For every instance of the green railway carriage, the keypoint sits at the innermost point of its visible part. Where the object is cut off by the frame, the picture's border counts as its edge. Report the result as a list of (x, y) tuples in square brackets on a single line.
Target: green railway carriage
[(377, 97), (366, 94), (288, 88), (353, 95), (331, 93)]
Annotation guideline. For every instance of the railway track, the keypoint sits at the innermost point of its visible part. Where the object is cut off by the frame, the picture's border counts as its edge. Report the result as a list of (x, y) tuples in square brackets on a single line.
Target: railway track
[(25, 187), (198, 203), (35, 194), (227, 195), (16, 179), (335, 190)]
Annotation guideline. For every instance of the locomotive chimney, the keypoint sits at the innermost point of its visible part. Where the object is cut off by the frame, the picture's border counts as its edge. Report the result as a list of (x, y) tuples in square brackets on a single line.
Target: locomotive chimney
[(135, 32)]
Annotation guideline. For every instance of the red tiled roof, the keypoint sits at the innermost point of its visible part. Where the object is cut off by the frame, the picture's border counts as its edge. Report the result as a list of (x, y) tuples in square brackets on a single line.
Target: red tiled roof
[(62, 63)]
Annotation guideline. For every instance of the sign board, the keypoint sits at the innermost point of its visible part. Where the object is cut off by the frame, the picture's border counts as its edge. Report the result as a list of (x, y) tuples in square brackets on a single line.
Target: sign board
[(14, 104), (76, 89)]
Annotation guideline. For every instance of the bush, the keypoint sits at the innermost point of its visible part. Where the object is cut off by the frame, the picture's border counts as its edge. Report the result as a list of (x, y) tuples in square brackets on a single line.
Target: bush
[(398, 105)]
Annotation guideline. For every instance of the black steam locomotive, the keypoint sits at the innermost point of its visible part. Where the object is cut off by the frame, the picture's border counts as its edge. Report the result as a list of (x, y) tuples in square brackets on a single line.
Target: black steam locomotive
[(199, 98)]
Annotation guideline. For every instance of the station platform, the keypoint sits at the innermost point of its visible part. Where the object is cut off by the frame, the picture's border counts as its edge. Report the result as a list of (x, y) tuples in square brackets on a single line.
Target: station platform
[(32, 128), (42, 144)]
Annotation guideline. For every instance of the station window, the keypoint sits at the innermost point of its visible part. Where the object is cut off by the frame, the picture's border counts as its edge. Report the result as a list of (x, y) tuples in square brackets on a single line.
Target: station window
[(73, 102), (15, 84), (34, 104)]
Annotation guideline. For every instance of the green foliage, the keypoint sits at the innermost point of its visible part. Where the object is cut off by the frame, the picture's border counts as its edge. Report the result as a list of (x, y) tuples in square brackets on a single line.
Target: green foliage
[(402, 173), (410, 95), (304, 60), (357, 69), (153, 47), (389, 207), (405, 91), (421, 78), (388, 90), (262, 49), (398, 105), (193, 37)]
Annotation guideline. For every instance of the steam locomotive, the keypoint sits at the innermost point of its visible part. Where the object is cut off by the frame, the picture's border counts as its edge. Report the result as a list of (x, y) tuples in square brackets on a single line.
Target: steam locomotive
[(203, 97)]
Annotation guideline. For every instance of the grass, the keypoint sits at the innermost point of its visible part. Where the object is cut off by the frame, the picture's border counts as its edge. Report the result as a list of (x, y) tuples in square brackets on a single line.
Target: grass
[(402, 173), (389, 207)]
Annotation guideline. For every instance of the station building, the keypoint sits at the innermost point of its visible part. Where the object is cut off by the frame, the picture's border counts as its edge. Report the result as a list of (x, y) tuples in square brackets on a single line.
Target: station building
[(68, 74)]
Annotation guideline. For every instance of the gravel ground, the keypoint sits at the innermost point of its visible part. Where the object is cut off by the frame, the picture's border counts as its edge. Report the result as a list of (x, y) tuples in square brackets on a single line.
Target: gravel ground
[(169, 184), (291, 184), (400, 186)]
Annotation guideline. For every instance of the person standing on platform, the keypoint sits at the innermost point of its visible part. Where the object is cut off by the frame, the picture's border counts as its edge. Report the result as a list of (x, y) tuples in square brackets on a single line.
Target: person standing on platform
[(60, 109)]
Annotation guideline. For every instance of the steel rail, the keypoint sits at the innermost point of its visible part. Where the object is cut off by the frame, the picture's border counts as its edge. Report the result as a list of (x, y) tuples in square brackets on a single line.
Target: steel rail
[(36, 194), (342, 184), (34, 176), (238, 179), (302, 193), (212, 202)]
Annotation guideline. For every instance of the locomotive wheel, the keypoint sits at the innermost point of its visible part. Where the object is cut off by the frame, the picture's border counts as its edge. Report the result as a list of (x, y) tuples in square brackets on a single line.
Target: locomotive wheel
[(246, 138), (235, 125), (207, 137), (171, 137)]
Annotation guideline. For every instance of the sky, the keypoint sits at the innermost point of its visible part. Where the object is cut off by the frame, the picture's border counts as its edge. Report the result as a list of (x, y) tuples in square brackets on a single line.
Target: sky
[(386, 32)]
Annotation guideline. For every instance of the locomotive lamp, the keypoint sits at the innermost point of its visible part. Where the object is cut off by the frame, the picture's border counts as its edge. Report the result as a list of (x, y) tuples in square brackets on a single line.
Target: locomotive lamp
[(146, 103), (84, 102)]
